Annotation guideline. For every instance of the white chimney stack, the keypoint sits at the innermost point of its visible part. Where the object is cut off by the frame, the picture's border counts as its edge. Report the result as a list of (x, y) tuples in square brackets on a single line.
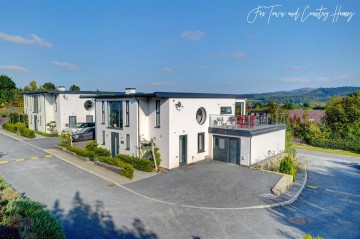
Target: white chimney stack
[(130, 91), (61, 88)]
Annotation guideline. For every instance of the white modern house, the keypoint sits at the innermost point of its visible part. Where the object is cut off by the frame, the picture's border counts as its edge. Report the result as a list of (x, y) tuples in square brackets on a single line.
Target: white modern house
[(187, 127), (66, 108)]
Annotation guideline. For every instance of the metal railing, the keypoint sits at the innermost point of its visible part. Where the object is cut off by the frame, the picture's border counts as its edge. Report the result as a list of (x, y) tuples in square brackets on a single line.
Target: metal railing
[(246, 121)]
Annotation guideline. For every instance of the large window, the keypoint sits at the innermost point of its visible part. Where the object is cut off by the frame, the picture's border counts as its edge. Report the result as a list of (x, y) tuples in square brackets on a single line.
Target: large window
[(115, 114), (36, 104), (88, 105), (201, 115), (103, 112), (127, 115), (128, 142), (157, 122), (201, 142)]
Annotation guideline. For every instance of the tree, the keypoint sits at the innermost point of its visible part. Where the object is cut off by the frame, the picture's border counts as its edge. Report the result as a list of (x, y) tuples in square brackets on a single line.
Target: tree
[(33, 85), (74, 88), (342, 116), (48, 86), (7, 89)]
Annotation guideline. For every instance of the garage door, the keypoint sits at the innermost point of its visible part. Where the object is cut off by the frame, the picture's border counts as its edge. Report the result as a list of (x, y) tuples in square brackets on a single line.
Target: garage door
[(226, 149)]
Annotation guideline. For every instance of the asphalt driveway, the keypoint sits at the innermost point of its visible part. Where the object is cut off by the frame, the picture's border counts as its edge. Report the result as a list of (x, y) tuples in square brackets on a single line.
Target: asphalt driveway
[(209, 184)]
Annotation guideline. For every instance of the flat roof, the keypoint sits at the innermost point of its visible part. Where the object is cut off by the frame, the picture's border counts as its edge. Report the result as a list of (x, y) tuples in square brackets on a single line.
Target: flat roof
[(171, 95), (67, 92), (246, 132)]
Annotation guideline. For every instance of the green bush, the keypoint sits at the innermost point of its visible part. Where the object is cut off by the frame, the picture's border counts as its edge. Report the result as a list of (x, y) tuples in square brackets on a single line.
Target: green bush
[(99, 152), (7, 195), (82, 152), (139, 163), (42, 223), (46, 134), (127, 170), (308, 236), (336, 144), (65, 140), (20, 125), (287, 167), (9, 127), (28, 133)]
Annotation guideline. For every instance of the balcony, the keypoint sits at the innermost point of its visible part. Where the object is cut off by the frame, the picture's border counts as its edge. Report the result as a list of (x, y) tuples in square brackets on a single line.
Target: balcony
[(246, 125)]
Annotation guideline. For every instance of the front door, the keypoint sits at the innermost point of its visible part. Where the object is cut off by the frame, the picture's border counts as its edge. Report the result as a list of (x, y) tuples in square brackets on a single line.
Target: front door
[(35, 123), (182, 149), (234, 151), (114, 144)]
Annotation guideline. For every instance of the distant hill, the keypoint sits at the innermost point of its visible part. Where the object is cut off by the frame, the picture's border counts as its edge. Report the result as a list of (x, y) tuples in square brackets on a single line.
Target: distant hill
[(305, 94)]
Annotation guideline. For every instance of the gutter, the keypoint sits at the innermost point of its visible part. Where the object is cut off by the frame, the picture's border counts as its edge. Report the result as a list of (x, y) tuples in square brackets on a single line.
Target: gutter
[(250, 152), (138, 126), (44, 112)]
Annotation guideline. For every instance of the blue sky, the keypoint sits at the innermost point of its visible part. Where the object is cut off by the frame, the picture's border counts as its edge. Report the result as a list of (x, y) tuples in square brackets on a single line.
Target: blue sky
[(190, 46)]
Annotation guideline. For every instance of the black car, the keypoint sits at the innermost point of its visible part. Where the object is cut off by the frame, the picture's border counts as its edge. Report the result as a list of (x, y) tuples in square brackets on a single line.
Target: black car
[(84, 134)]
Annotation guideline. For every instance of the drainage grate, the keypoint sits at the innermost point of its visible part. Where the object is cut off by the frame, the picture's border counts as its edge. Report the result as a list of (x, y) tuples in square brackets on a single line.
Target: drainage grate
[(296, 220)]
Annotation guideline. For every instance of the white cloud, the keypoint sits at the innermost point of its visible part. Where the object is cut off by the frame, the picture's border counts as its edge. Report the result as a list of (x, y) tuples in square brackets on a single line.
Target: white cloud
[(238, 54), (343, 77), (168, 69), (234, 54), (296, 67), (195, 35), (65, 65), (294, 79), (13, 68), (29, 41), (164, 83)]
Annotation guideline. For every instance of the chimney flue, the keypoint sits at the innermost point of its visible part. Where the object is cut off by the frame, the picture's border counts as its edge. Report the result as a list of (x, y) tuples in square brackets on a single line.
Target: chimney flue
[(130, 91)]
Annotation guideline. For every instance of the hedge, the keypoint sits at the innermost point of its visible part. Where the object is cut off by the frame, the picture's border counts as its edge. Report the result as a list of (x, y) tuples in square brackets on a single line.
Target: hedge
[(31, 219), (46, 134), (82, 152), (138, 163), (28, 133), (19, 128), (127, 169), (287, 166), (99, 152), (336, 144)]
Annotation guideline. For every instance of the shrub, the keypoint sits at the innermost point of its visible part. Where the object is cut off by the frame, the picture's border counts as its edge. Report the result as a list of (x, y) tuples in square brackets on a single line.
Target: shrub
[(336, 144), (127, 170), (82, 152), (8, 194), (9, 127), (20, 125), (65, 140), (287, 167), (138, 163), (28, 133), (46, 134), (308, 236), (99, 152), (42, 223)]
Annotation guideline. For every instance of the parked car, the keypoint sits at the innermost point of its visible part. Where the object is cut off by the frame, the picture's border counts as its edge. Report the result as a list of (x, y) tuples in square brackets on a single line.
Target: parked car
[(79, 127), (84, 134)]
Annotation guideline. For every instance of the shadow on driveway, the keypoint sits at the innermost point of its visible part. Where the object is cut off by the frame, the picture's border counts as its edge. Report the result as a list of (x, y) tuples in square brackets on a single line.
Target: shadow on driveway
[(209, 184), (84, 221)]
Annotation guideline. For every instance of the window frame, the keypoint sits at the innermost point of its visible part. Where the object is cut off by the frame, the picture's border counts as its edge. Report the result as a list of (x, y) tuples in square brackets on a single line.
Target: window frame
[(201, 143), (157, 113), (203, 116), (102, 112), (127, 142), (127, 113), (120, 112), (103, 137), (226, 110)]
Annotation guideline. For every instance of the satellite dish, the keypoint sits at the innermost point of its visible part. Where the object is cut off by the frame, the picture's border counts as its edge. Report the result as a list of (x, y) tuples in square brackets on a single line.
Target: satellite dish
[(178, 104)]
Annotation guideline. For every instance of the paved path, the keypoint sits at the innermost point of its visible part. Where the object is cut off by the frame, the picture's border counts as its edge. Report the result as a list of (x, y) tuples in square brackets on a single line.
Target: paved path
[(90, 207)]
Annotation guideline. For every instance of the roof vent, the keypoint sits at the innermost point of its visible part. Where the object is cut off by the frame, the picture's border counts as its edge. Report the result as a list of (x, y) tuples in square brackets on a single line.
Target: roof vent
[(130, 91), (61, 88)]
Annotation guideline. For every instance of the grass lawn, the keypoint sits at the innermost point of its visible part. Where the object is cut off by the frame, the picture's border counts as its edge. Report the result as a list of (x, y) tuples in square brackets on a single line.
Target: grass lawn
[(334, 151)]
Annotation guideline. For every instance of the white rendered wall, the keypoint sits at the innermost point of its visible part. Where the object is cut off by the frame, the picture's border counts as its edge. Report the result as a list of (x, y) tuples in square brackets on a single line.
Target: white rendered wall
[(266, 145), (131, 129), (71, 105), (183, 122)]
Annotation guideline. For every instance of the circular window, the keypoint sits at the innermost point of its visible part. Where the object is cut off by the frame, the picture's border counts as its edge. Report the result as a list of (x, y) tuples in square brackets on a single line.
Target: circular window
[(201, 115), (88, 105)]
